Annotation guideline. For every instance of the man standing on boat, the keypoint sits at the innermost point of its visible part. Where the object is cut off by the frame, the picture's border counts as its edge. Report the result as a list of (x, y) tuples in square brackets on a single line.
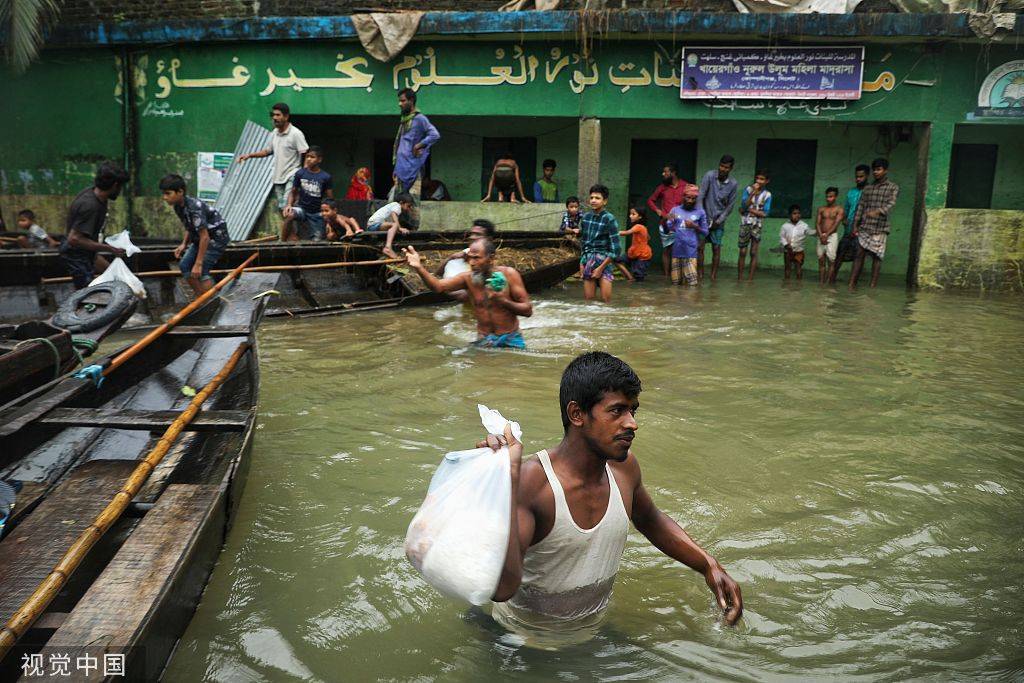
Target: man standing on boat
[(497, 294), (571, 509), (415, 136), (86, 217)]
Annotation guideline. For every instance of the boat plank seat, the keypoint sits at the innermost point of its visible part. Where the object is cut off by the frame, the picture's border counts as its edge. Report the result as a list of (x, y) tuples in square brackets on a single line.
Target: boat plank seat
[(37, 543), (157, 564), (209, 331), (145, 420)]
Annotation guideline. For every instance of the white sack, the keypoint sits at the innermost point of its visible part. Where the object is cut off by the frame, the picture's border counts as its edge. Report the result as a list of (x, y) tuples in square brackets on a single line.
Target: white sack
[(119, 271), (459, 536)]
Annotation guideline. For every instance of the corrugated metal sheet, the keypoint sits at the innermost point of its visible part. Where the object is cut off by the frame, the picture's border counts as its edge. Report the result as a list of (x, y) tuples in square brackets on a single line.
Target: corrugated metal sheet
[(246, 186)]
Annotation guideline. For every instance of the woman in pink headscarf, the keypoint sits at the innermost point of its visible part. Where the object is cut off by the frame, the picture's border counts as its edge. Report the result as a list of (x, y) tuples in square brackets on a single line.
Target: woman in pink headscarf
[(359, 187)]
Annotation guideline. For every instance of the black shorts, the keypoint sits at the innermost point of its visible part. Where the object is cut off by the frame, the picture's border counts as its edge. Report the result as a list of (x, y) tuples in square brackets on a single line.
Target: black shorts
[(80, 267), (847, 249)]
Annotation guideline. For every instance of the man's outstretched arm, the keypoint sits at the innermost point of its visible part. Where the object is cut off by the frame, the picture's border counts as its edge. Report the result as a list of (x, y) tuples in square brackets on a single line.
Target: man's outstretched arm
[(451, 284), (668, 537)]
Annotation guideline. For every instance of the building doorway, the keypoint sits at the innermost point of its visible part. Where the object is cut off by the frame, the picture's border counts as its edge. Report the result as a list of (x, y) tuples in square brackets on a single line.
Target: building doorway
[(646, 160)]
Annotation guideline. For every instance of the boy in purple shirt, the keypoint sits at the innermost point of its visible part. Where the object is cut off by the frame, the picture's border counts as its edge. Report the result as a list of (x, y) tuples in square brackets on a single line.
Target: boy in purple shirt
[(689, 223)]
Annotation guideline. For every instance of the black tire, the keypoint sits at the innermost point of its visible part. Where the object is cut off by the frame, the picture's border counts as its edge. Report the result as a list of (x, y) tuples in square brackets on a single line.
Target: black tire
[(76, 320)]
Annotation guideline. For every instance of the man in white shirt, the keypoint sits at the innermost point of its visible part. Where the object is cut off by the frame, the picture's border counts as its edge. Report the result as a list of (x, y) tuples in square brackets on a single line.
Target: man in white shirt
[(287, 146), (791, 237)]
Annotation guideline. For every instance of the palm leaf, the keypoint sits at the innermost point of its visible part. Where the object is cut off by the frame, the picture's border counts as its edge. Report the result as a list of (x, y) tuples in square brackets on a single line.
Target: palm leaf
[(22, 26)]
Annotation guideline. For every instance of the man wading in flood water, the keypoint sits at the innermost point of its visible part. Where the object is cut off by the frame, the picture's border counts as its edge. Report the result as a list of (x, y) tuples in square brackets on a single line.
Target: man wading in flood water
[(571, 508), (497, 294)]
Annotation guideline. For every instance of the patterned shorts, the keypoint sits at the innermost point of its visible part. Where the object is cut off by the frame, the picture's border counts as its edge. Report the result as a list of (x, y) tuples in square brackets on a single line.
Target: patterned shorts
[(684, 268), (749, 232), (638, 267), (591, 264)]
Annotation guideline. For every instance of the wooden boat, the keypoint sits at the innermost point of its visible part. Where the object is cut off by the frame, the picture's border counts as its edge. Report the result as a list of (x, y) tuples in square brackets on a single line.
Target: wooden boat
[(71, 445), (35, 352), (543, 260), (28, 291)]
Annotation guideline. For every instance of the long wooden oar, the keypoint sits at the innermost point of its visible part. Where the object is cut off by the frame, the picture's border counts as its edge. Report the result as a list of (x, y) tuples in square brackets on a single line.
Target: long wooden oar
[(257, 269), (40, 599), (135, 348)]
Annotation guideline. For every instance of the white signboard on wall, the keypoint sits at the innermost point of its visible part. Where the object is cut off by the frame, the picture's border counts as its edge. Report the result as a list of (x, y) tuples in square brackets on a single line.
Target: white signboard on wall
[(210, 172)]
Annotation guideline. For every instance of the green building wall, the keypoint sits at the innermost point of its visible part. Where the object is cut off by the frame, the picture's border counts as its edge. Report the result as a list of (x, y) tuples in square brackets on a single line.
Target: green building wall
[(70, 110)]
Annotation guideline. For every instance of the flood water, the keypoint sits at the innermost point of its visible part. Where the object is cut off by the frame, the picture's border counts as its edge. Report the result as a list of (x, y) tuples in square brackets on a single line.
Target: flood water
[(856, 462)]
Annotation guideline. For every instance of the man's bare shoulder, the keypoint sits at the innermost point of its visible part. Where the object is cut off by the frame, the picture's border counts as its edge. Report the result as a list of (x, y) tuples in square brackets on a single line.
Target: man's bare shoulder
[(534, 487), (509, 271)]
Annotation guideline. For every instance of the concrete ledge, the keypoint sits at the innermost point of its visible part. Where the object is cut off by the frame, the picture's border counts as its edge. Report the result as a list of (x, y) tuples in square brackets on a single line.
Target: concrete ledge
[(973, 249), (460, 215)]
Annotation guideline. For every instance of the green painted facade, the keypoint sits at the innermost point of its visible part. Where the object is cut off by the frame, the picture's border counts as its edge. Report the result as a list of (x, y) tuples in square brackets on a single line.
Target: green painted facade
[(69, 111)]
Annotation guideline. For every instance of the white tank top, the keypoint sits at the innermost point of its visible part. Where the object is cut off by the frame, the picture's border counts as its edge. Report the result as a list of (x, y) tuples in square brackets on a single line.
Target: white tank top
[(568, 576)]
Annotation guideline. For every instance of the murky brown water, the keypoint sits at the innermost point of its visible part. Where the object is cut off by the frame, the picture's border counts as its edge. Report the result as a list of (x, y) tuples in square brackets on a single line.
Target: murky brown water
[(855, 460)]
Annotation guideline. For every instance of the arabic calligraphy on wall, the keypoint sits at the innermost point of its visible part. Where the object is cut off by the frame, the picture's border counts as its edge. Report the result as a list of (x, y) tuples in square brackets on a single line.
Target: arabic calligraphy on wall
[(422, 69)]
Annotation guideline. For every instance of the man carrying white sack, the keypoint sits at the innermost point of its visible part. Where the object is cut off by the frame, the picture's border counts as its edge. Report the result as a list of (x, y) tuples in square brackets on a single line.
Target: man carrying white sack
[(571, 508)]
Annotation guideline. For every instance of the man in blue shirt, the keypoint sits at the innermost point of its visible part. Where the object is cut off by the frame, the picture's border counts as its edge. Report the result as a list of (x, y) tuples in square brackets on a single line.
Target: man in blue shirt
[(311, 185), (415, 136), (848, 242), (599, 240)]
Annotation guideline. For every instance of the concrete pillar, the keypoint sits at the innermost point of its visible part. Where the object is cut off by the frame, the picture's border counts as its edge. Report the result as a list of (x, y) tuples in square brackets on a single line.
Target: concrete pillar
[(589, 170), (934, 153)]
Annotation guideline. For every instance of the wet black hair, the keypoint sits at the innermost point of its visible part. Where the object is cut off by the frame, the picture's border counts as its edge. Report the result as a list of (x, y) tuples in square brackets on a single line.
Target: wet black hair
[(333, 203), (863, 167), (569, 200), (880, 163), (172, 181), (764, 172), (672, 167), (549, 163), (727, 159), (488, 226), (640, 212), (794, 207), (589, 377), (281, 107), (27, 213), (599, 189), (109, 174), (409, 93), (404, 198), (831, 189), (317, 150)]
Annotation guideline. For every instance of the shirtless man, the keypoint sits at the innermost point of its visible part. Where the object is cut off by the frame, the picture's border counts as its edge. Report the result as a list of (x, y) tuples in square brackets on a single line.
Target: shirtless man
[(571, 509), (829, 218), (457, 262), (496, 293)]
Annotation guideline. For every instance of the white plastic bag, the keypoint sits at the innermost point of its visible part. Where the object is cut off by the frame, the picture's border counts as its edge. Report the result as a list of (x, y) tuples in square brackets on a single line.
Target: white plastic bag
[(123, 240), (455, 267), (459, 536), (119, 271)]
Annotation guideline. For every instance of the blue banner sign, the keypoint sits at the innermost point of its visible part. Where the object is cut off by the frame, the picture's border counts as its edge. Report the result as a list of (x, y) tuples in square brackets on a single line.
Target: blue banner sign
[(782, 73)]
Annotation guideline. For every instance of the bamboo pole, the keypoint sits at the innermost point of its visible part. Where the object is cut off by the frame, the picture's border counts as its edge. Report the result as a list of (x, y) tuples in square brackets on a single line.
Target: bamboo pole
[(257, 240), (135, 348), (256, 269), (40, 599)]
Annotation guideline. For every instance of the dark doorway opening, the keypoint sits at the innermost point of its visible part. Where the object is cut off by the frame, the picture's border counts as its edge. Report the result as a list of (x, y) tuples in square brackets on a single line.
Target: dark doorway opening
[(523, 150), (972, 173), (646, 160)]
